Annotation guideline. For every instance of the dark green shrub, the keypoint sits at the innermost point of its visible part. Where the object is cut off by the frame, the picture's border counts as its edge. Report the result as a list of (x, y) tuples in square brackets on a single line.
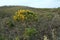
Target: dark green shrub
[(2, 37), (29, 33), (9, 23)]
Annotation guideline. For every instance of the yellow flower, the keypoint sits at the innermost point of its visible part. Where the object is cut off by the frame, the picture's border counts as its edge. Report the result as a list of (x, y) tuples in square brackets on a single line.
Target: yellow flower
[(18, 15), (22, 17), (23, 14), (15, 18)]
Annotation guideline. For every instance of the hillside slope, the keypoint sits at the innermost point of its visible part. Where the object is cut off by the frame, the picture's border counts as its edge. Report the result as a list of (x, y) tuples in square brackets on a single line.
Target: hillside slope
[(48, 23)]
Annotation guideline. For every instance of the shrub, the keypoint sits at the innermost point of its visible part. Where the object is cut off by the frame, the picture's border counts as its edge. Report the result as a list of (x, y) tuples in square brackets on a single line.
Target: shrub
[(17, 38), (29, 33), (2, 37), (22, 15), (9, 23)]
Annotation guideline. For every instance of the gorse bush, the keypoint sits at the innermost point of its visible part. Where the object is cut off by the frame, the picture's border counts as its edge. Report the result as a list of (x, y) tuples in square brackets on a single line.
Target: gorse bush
[(17, 38), (22, 15), (2, 37), (30, 31)]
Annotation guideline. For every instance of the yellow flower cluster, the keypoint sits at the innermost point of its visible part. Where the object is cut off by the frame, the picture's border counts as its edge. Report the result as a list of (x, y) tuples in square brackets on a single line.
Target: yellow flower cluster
[(19, 15), (23, 14)]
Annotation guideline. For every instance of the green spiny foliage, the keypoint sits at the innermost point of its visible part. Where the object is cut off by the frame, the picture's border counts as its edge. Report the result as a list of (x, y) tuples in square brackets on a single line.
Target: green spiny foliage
[(17, 38), (30, 31), (2, 37)]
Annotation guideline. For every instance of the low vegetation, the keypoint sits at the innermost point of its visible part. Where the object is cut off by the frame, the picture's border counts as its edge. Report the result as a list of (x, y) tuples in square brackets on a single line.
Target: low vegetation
[(26, 23)]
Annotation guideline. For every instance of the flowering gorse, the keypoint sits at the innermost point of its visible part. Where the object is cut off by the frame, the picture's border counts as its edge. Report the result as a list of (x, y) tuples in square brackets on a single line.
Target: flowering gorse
[(22, 15)]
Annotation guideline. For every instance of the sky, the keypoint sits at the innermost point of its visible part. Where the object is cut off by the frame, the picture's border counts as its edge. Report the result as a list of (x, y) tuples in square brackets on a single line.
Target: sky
[(32, 3)]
